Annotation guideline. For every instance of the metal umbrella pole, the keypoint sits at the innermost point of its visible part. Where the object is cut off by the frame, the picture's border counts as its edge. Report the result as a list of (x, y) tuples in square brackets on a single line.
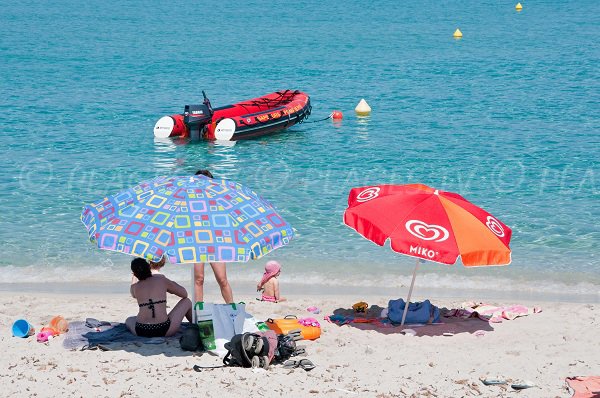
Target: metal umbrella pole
[(412, 284)]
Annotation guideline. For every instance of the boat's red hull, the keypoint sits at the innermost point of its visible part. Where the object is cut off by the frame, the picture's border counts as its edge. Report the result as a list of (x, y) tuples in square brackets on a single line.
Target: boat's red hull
[(252, 118)]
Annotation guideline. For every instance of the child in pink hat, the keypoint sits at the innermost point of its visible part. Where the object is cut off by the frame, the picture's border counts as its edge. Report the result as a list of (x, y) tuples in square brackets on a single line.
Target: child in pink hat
[(269, 285)]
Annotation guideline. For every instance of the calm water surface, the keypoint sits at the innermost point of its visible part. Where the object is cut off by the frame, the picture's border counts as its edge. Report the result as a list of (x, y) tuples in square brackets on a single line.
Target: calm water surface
[(508, 117)]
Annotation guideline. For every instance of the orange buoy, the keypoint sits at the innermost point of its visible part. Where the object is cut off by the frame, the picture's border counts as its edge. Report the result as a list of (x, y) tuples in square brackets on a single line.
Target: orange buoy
[(337, 115)]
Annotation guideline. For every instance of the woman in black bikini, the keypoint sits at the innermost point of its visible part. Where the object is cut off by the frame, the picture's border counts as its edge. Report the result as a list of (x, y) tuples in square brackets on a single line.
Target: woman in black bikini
[(151, 290)]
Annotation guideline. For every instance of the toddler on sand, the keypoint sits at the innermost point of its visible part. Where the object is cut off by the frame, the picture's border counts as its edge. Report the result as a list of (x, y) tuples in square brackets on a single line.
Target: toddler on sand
[(269, 284)]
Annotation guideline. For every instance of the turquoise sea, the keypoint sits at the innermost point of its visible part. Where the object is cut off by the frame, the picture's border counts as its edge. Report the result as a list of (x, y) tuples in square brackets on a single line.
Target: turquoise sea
[(508, 116)]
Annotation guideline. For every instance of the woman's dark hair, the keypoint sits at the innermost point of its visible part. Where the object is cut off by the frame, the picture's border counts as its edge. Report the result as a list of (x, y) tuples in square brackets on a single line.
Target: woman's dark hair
[(204, 173), (140, 268)]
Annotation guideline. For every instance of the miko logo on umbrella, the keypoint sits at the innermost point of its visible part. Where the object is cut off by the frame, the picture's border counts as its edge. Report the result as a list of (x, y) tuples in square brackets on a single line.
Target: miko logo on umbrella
[(495, 226), (425, 231), (368, 194)]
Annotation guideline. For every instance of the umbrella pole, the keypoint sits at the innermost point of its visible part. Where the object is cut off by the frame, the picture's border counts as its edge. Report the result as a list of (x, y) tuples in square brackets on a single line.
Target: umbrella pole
[(193, 296), (410, 292)]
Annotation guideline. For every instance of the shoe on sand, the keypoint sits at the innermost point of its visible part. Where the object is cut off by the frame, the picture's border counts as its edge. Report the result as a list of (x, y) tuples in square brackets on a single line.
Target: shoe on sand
[(302, 364)]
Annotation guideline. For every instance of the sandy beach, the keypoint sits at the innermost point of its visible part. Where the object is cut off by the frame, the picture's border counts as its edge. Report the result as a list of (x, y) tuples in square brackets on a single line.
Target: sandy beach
[(542, 348)]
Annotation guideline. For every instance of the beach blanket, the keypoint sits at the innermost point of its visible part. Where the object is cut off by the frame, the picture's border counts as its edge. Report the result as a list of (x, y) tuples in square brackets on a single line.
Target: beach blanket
[(490, 313), (343, 316), (584, 387), (81, 336)]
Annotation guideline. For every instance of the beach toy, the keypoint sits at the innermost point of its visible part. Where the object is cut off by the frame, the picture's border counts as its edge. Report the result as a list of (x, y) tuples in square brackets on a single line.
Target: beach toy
[(518, 7), (314, 310), (337, 115), (46, 334), (59, 324), (363, 109), (290, 323), (309, 322), (457, 34), (22, 328), (361, 306)]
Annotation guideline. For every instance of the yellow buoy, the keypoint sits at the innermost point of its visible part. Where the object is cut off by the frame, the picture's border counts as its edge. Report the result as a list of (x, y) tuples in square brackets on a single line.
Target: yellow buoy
[(518, 7), (363, 109), (457, 34)]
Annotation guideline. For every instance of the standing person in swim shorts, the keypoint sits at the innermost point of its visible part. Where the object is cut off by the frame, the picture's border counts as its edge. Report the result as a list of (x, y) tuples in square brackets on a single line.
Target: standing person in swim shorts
[(218, 268), (151, 290)]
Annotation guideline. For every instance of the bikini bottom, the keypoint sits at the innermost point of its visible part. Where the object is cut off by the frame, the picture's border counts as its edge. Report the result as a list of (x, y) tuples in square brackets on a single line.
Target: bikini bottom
[(271, 299), (152, 329)]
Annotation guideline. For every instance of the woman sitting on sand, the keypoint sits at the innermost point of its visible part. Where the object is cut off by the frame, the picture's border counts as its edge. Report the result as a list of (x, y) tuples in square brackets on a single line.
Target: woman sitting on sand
[(151, 290), (269, 284)]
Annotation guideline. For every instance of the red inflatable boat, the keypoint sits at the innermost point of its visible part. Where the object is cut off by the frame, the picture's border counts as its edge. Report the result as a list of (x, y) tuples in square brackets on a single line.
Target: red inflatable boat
[(252, 118)]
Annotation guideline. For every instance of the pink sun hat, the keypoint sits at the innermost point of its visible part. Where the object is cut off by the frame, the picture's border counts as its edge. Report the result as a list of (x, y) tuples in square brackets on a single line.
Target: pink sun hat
[(271, 269)]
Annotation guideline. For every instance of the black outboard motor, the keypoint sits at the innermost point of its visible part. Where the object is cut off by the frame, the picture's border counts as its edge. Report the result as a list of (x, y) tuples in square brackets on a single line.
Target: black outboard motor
[(196, 117)]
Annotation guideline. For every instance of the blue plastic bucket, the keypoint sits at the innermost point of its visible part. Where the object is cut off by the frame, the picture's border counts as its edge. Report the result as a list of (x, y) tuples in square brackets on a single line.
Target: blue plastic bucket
[(22, 328)]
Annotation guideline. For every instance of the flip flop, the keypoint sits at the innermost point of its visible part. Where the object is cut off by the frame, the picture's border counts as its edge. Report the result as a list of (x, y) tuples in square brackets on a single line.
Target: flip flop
[(522, 386), (303, 364), (306, 364), (493, 382)]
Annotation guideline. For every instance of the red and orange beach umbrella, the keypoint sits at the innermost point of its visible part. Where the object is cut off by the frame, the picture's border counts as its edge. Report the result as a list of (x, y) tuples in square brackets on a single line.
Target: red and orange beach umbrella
[(428, 224)]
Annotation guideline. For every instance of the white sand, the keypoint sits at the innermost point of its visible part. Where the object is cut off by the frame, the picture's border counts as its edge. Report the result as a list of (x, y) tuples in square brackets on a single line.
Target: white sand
[(543, 348)]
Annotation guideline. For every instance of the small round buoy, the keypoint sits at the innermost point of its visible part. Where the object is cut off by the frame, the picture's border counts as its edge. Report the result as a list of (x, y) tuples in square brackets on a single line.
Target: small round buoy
[(457, 34), (363, 109), (337, 115), (518, 7)]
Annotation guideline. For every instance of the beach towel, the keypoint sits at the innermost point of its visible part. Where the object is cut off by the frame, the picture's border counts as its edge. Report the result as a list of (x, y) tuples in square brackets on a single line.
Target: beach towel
[(82, 336), (491, 313), (584, 387), (418, 312), (343, 316)]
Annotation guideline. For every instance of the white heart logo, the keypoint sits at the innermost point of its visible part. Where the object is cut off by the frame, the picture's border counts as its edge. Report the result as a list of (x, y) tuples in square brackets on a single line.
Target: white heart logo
[(495, 226), (368, 194), (424, 231)]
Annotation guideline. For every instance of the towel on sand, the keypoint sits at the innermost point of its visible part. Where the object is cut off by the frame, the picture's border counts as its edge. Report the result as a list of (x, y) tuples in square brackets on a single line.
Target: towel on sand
[(83, 337), (343, 316), (584, 387), (491, 313)]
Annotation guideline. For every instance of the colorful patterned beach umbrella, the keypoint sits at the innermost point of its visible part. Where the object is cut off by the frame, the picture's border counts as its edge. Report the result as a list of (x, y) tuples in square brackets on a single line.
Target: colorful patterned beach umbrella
[(189, 219), (428, 224)]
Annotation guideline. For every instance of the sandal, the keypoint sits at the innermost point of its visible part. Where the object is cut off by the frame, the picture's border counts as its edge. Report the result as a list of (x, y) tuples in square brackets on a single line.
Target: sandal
[(303, 364), (493, 382), (523, 386)]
